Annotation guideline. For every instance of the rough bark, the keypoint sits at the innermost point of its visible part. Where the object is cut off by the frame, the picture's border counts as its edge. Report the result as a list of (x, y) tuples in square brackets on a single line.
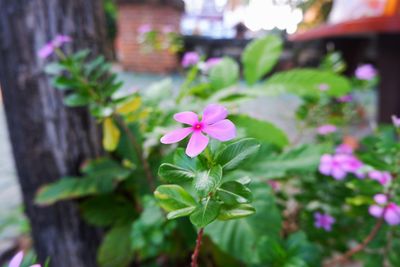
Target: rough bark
[(49, 140)]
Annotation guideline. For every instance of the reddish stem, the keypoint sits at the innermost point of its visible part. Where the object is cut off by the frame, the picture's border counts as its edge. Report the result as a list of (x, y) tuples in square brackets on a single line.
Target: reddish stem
[(196, 251)]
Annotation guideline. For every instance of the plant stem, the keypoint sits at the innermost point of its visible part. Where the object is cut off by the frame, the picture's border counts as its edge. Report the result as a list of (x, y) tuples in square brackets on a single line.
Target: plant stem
[(196, 251), (138, 150)]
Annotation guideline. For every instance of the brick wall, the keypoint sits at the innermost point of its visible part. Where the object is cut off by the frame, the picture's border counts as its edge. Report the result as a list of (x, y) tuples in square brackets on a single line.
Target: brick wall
[(129, 52)]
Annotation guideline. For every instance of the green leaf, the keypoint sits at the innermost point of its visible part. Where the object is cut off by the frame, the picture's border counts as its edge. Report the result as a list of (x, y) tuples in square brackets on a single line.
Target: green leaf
[(260, 56), (105, 168), (174, 174), (64, 83), (106, 210), (173, 197), (207, 181), (184, 161), (206, 213), (224, 74), (263, 131), (240, 238), (301, 159), (180, 213), (235, 212), (237, 153), (54, 68), (233, 193), (76, 100), (115, 250), (306, 82)]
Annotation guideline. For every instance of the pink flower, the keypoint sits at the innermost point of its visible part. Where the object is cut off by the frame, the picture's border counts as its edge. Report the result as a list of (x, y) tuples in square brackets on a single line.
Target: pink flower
[(57, 42), (344, 149), (345, 99), (366, 72), (382, 177), (144, 28), (323, 87), (211, 62), (16, 261), (391, 210), (339, 165), (326, 129), (213, 123), (324, 221), (190, 59), (396, 121)]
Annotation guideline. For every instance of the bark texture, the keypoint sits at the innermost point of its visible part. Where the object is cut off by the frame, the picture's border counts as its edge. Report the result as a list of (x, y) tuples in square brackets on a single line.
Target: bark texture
[(49, 140)]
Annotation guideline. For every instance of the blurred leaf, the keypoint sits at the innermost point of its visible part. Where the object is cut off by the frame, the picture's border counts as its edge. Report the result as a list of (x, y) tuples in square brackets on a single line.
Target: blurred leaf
[(76, 100), (233, 193), (129, 106), (115, 250), (235, 212), (237, 153), (174, 174), (105, 210), (260, 56), (306, 82), (111, 135), (206, 213), (173, 197), (263, 131), (224, 74), (54, 68)]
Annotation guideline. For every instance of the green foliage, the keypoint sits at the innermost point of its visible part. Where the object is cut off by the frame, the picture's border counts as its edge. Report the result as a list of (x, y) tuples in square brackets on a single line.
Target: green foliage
[(205, 213), (264, 132), (306, 82), (260, 56), (174, 197), (224, 74), (237, 153)]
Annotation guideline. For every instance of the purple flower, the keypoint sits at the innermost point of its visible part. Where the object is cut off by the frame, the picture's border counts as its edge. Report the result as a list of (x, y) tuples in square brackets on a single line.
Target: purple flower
[(144, 28), (16, 261), (190, 59), (391, 210), (326, 129), (345, 99), (57, 42), (323, 87), (324, 221), (382, 177), (396, 121), (366, 72), (344, 149), (339, 165), (213, 123)]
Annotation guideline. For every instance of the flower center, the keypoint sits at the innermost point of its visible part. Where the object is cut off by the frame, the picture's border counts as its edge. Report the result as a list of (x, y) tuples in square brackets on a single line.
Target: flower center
[(198, 126)]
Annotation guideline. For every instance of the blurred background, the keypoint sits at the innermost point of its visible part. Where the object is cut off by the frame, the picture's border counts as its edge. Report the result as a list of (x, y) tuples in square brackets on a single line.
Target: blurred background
[(146, 41)]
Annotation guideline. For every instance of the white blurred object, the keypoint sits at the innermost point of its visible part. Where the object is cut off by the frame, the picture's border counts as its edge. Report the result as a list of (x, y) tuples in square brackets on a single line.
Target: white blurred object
[(344, 10)]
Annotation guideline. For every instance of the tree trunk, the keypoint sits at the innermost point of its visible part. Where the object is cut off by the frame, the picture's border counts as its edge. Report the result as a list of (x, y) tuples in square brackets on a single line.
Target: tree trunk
[(49, 140)]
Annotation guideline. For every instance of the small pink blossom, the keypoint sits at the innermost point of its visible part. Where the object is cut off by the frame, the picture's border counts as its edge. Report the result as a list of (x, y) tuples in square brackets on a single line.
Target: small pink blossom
[(339, 165), (211, 62), (382, 177), (275, 185), (391, 210), (144, 28), (323, 87), (366, 72), (16, 261), (396, 121), (345, 99), (190, 59), (324, 221), (344, 149), (57, 42), (326, 129), (213, 123)]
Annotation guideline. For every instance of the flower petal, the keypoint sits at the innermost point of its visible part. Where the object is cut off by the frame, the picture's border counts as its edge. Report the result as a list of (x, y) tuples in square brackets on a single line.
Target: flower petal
[(197, 143), (186, 117), (222, 130), (36, 265), (392, 215), (176, 135), (375, 211), (16, 260), (213, 113), (380, 199)]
